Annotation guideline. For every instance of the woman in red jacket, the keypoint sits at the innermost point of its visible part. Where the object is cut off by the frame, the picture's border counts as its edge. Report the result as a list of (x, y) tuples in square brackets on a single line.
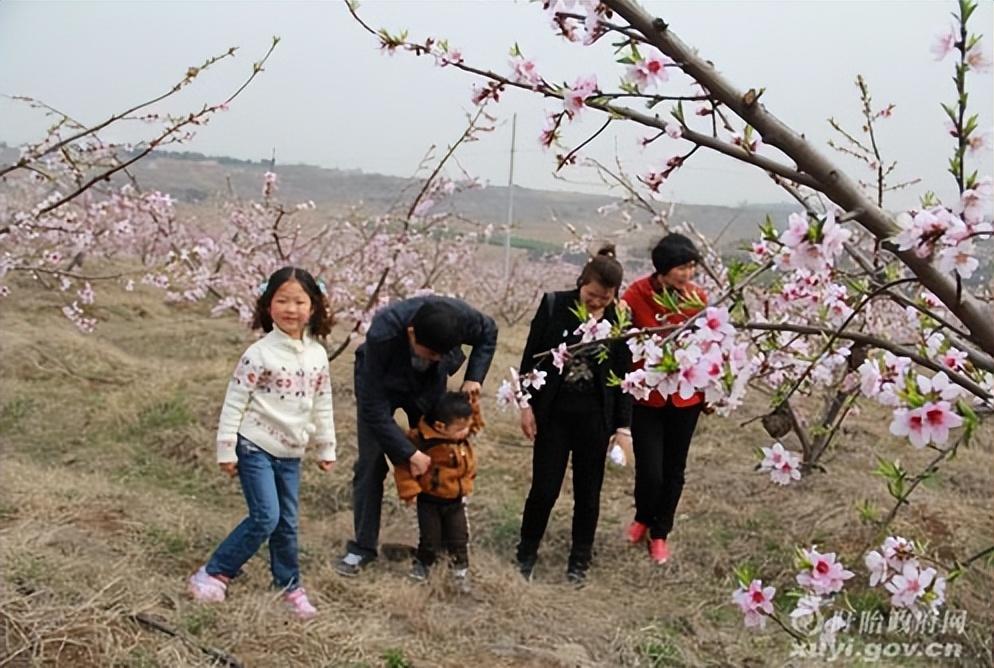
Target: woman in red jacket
[(662, 426)]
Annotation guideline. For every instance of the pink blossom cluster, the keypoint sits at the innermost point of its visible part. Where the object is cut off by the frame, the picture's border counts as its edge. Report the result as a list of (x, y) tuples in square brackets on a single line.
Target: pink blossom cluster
[(784, 466), (811, 245), (947, 235), (896, 567), (514, 390), (705, 358), (586, 31)]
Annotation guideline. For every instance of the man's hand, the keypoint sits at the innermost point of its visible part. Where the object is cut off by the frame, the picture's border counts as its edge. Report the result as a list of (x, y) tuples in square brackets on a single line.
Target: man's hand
[(326, 465), (528, 426), (419, 463), (472, 388), (231, 468)]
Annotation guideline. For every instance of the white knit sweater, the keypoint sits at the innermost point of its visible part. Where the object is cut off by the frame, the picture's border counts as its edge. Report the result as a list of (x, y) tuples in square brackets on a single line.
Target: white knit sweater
[(280, 399)]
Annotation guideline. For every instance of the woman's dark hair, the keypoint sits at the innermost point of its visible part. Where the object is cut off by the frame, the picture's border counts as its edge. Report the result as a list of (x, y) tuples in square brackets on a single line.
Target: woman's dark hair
[(321, 320), (602, 268), (673, 250), (437, 326), (450, 406)]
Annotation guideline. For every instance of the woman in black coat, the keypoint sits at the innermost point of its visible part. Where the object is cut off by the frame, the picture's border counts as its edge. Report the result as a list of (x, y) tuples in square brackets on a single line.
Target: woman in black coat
[(576, 411)]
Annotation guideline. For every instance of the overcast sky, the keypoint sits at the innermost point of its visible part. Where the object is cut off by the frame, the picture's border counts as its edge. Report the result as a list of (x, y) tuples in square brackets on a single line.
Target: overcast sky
[(330, 97)]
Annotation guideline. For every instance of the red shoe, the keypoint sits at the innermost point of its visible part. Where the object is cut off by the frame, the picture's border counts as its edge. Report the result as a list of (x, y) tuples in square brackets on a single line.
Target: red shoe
[(635, 533), (659, 552)]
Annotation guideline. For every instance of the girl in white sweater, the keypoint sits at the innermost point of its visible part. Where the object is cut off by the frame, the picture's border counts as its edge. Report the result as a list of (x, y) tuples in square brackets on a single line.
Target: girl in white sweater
[(278, 402)]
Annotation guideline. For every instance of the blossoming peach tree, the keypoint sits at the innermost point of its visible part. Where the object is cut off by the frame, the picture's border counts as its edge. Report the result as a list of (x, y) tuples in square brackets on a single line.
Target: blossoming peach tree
[(848, 299), (73, 216)]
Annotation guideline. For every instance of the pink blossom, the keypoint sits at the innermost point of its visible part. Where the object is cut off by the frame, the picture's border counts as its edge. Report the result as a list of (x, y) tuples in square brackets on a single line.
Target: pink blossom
[(782, 464), (822, 573), (979, 142), (423, 207), (574, 96), (974, 201), (714, 324), (761, 252), (550, 132), (877, 565), (977, 59), (944, 43), (909, 585), (692, 374), (653, 180), (797, 230), (897, 550), (958, 258), (953, 359), (650, 70), (938, 386), (523, 70), (268, 184), (833, 235), (674, 130), (86, 294), (534, 379), (755, 602), (559, 357), (807, 605), (634, 384), (505, 394), (451, 57), (927, 424)]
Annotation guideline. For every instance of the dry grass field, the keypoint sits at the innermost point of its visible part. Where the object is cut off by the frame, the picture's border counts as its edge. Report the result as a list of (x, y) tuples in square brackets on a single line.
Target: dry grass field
[(109, 498)]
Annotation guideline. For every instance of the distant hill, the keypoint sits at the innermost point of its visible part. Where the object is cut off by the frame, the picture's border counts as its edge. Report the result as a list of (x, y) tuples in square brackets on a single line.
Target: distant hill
[(195, 178)]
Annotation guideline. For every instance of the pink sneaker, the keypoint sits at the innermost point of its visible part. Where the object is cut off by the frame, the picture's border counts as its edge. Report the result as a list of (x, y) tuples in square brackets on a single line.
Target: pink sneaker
[(206, 588), (635, 533), (297, 601), (659, 552)]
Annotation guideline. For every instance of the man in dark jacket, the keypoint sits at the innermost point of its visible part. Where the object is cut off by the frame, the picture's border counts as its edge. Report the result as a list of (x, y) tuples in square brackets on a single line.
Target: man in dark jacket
[(411, 349)]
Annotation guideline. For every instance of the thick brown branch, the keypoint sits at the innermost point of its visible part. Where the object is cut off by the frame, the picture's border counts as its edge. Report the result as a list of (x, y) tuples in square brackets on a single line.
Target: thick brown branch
[(830, 179)]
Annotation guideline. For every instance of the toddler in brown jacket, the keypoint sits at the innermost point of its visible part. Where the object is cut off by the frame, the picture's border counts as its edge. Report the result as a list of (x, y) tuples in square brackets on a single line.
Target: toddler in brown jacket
[(443, 434)]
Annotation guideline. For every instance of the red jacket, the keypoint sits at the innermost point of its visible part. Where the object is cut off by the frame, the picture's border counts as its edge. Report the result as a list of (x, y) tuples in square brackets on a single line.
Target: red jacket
[(639, 297)]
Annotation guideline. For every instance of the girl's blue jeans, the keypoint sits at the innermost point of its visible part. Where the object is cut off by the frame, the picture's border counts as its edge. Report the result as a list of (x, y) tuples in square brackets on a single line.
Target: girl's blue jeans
[(272, 489)]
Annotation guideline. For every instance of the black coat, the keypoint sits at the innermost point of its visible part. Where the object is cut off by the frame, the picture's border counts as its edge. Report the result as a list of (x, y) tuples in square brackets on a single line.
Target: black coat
[(547, 332), (386, 381)]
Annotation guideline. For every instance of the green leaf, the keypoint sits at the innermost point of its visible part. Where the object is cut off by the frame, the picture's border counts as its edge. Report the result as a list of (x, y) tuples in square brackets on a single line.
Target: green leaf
[(579, 309), (744, 574)]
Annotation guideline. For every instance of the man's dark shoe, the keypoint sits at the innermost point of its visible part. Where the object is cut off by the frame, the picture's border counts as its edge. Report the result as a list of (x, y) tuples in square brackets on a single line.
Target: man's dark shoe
[(576, 572), (526, 566), (352, 564), (419, 572)]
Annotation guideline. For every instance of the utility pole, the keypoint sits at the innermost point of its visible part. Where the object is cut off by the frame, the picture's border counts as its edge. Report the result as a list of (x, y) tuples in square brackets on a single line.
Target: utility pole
[(510, 205)]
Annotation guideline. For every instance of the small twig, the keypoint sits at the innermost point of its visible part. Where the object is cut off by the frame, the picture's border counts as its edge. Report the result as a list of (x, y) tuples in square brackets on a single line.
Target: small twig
[(926, 472), (220, 655)]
